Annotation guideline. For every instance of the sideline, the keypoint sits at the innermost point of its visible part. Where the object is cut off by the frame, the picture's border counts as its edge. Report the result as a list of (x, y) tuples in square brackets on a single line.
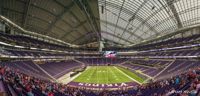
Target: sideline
[(66, 78)]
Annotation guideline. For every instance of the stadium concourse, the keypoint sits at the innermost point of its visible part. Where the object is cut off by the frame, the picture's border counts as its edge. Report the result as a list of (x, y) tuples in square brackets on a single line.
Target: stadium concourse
[(99, 47)]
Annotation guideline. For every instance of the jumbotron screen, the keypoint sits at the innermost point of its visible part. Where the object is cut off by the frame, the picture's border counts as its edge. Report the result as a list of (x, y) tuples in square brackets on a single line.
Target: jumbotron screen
[(110, 54)]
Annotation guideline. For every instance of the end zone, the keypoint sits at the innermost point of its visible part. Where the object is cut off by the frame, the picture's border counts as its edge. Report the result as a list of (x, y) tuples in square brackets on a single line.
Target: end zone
[(93, 86)]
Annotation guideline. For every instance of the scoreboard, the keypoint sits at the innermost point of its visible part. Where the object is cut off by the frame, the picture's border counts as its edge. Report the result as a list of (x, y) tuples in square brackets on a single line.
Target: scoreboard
[(110, 54)]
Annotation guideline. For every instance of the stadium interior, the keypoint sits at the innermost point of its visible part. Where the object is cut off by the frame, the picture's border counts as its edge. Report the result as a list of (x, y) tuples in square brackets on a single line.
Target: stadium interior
[(99, 47)]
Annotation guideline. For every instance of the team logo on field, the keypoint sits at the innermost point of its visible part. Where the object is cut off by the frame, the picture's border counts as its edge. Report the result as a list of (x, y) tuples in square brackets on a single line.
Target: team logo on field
[(103, 86)]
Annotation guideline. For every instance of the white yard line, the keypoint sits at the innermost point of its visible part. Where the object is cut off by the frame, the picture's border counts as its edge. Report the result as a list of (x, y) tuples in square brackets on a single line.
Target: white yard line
[(128, 76), (113, 74), (90, 75)]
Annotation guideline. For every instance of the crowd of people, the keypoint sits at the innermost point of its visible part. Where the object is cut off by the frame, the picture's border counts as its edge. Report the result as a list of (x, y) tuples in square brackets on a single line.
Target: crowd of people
[(187, 84)]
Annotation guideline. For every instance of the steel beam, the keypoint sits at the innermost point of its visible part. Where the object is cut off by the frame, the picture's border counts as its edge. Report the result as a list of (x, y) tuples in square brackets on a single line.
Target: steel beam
[(78, 20), (31, 17), (123, 29), (133, 17), (67, 33), (179, 31), (84, 5), (26, 12), (117, 43), (86, 41), (175, 13), (117, 37), (38, 8), (59, 17), (83, 36), (111, 24), (127, 11), (119, 16), (1, 5)]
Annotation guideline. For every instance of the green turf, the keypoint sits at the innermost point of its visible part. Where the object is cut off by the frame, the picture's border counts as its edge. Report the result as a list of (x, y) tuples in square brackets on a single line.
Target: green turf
[(131, 74), (106, 75)]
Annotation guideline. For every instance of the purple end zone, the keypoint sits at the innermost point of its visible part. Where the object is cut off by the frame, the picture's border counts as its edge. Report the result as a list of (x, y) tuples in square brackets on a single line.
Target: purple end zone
[(113, 86)]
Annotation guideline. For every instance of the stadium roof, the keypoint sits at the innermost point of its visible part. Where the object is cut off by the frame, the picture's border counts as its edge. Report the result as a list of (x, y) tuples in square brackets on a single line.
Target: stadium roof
[(134, 21), (122, 22), (62, 19)]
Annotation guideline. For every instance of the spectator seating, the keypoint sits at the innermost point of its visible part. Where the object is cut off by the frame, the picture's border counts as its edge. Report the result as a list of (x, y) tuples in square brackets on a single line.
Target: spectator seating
[(16, 83), (58, 69)]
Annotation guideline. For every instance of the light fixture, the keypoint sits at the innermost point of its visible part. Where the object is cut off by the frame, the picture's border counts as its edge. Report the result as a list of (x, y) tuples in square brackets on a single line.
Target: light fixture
[(131, 19), (153, 8)]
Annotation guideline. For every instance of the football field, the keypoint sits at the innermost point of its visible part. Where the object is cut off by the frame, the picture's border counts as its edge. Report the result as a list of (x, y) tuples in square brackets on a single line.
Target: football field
[(108, 75)]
